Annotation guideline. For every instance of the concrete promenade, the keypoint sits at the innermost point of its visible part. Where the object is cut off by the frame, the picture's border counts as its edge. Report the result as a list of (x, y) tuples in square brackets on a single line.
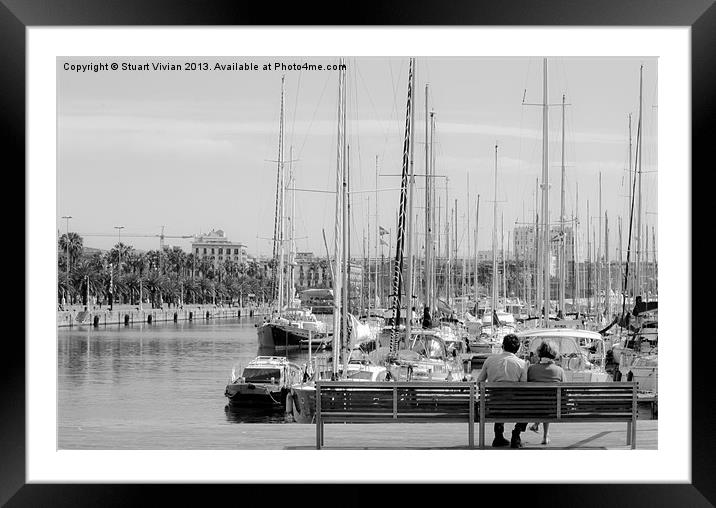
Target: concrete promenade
[(373, 436), (131, 314)]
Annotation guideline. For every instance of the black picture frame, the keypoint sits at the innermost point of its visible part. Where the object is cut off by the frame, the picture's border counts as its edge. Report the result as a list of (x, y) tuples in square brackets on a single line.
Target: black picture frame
[(17, 15)]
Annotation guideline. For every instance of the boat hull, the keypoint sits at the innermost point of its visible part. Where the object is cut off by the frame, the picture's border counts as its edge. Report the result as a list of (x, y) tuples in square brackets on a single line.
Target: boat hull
[(274, 336), (255, 395)]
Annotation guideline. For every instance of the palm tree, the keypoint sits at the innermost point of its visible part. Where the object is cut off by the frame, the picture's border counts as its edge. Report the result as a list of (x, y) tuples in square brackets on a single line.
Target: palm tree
[(192, 289), (83, 275), (72, 243)]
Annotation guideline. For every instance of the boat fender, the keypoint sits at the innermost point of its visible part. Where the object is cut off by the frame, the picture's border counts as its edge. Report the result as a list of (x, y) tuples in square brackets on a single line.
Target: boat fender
[(289, 405)]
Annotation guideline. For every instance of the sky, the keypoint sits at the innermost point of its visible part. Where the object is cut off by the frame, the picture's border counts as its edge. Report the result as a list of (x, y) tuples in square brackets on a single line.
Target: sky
[(192, 150)]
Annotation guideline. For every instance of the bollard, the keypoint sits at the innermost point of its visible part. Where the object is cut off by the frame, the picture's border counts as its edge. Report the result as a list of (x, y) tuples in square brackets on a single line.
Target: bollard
[(239, 315), (191, 315), (207, 314), (176, 317), (95, 321), (126, 320), (149, 319)]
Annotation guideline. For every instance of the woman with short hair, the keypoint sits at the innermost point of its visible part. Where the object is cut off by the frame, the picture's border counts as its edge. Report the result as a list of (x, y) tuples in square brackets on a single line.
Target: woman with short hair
[(545, 371)]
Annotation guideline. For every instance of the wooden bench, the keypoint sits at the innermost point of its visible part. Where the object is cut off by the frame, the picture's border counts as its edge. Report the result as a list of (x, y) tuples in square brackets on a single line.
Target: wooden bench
[(558, 402), (395, 402), (417, 401)]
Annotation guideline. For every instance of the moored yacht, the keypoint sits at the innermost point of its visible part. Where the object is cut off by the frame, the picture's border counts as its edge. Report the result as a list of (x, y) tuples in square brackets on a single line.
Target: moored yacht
[(264, 382)]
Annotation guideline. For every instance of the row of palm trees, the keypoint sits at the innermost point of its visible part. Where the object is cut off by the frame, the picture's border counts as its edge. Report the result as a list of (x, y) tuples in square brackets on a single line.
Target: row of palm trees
[(125, 276)]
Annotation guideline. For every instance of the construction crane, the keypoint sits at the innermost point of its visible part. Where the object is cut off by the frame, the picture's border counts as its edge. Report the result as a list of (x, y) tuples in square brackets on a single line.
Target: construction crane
[(161, 236)]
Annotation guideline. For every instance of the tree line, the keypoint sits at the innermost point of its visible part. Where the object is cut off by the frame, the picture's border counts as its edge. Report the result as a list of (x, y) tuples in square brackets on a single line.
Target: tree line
[(168, 275)]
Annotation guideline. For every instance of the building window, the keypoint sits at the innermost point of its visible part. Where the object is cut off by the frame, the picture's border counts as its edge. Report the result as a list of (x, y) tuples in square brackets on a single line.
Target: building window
[(197, 250), (212, 251), (221, 251), (204, 250)]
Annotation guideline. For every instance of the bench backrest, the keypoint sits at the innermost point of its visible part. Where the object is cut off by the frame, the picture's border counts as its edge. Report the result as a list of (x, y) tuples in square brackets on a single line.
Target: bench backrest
[(611, 401), (396, 400)]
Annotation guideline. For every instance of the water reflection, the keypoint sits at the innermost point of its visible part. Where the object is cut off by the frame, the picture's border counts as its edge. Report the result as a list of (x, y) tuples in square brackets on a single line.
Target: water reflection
[(138, 384), (254, 414)]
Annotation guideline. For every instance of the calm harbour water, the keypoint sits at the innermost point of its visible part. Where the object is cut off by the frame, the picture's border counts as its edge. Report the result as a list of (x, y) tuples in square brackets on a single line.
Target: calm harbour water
[(154, 386)]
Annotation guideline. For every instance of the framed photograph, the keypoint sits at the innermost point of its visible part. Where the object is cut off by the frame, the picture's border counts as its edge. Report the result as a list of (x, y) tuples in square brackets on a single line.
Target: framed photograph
[(226, 215)]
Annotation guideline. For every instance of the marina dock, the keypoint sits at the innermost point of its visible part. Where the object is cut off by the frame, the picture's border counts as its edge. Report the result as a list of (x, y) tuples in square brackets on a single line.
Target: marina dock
[(104, 317)]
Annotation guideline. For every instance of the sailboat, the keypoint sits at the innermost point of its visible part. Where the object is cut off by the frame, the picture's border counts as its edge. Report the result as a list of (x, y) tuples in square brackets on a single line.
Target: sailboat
[(636, 353), (289, 327)]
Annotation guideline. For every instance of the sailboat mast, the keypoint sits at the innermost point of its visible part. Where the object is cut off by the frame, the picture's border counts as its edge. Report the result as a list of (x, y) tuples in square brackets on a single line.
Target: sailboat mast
[(411, 192), (366, 274), (398, 267), (537, 268), (563, 246), (629, 203), (454, 241), (337, 233), (577, 266), (346, 247), (545, 198), (608, 285), (448, 213), (640, 136), (477, 218), (589, 265), (377, 233), (434, 226), (494, 241), (281, 215), (504, 270), (599, 249), (428, 183), (292, 244)]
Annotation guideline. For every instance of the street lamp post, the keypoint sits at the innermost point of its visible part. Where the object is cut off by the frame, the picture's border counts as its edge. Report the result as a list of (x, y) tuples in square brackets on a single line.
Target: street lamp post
[(119, 247), (67, 260)]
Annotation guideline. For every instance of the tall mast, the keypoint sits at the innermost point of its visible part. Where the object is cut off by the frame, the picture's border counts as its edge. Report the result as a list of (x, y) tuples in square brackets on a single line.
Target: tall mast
[(504, 271), (434, 226), (454, 237), (411, 192), (281, 214), (537, 239), (640, 136), (608, 285), (545, 198), (448, 218), (576, 252), (292, 244), (377, 232), (346, 246), (428, 183), (621, 246), (338, 230), (629, 203), (477, 218), (494, 241), (400, 236), (589, 265), (367, 293), (599, 248), (563, 246), (467, 260)]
